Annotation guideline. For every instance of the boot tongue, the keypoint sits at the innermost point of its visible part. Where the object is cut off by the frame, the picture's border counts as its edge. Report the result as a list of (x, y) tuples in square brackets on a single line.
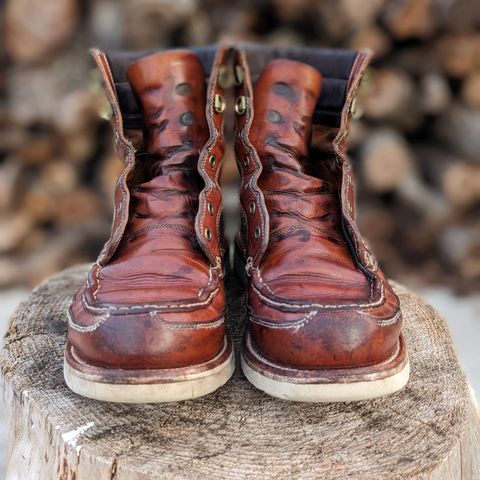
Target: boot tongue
[(170, 87), (285, 96), (284, 102)]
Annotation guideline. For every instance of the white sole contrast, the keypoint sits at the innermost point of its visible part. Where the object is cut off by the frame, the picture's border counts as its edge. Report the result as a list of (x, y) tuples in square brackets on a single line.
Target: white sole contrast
[(327, 392), (183, 388)]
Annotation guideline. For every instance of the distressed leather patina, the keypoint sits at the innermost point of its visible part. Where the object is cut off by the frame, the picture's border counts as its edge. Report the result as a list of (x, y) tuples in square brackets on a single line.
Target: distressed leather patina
[(320, 309), (155, 298), (317, 300)]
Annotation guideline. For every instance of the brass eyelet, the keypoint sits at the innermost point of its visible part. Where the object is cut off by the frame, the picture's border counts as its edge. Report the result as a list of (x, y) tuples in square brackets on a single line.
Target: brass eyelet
[(223, 79), (211, 208), (356, 110), (208, 234), (239, 75), (246, 161), (219, 103), (212, 160), (251, 208), (241, 105), (257, 232)]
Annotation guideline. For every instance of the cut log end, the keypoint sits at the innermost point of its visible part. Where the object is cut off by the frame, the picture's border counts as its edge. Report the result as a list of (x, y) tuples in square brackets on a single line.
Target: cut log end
[(429, 430)]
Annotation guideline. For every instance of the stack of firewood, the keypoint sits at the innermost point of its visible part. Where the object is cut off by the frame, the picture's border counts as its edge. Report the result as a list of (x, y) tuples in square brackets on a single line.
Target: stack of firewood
[(416, 149)]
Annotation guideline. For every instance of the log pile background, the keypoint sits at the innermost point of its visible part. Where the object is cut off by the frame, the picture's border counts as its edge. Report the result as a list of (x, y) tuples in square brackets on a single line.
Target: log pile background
[(416, 149)]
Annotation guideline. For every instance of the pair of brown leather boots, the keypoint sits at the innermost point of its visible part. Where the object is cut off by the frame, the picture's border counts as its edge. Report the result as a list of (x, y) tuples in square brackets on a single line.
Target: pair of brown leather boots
[(149, 324)]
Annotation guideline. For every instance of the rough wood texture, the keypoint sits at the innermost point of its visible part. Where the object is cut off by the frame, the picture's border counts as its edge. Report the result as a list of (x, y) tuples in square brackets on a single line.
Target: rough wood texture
[(429, 430)]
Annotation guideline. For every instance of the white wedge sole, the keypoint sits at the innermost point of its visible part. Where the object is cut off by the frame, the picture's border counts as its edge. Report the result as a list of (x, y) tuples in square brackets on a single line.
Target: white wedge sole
[(327, 392), (175, 389)]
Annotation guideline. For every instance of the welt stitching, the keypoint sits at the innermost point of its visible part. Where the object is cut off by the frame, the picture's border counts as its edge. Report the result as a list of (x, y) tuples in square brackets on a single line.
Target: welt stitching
[(86, 328), (97, 280), (176, 326), (189, 326), (273, 293), (218, 266), (294, 228), (259, 274), (156, 226), (295, 324), (390, 321), (210, 278), (320, 305), (153, 305)]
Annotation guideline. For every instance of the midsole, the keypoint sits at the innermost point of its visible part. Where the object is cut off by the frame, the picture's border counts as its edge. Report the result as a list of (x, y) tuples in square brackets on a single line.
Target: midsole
[(327, 392), (98, 374), (171, 391), (394, 364)]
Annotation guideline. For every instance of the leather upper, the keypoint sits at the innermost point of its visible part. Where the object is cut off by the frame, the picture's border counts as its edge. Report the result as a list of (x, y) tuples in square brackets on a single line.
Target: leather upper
[(155, 298), (304, 212), (316, 297)]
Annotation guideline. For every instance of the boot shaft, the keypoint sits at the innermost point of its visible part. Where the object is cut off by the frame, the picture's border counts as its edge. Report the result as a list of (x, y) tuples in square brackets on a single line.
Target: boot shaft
[(341, 71), (204, 135), (170, 87)]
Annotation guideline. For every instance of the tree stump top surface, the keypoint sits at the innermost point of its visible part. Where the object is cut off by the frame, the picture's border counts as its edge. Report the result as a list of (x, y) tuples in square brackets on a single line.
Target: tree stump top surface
[(236, 432)]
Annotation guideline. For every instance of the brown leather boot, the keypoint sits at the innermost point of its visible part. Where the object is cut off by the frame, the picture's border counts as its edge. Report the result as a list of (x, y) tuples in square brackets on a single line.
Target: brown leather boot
[(324, 323), (149, 324)]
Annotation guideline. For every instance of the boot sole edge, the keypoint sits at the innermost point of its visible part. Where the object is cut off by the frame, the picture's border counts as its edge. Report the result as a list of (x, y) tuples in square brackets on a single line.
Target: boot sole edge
[(332, 388), (143, 390)]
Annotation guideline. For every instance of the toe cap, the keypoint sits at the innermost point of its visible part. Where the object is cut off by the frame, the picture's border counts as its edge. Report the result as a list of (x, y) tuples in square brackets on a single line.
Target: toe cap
[(142, 340)]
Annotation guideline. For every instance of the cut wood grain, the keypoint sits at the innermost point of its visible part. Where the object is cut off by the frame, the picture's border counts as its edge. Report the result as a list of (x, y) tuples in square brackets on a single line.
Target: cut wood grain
[(430, 430)]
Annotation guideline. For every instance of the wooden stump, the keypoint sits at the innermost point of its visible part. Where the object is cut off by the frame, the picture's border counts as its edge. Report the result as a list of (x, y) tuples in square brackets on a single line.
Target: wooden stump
[(429, 430)]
